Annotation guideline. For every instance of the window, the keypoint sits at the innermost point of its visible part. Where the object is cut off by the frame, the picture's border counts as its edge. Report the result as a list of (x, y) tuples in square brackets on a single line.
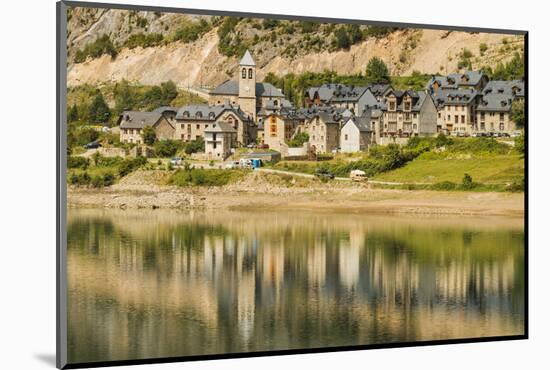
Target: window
[(392, 105), (462, 119), (244, 73), (407, 105), (214, 144), (456, 118), (482, 116), (276, 102), (414, 126), (439, 115), (501, 126), (346, 137), (250, 73), (182, 126), (214, 138), (273, 129), (198, 127), (182, 136), (502, 116)]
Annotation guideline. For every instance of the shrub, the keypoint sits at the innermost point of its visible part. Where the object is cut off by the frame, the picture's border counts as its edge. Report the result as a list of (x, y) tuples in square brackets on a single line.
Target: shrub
[(77, 162), (204, 177), (445, 185), (377, 71), (192, 32), (298, 140), (149, 135), (270, 23), (130, 165), (194, 146), (483, 48), (467, 182), (519, 144), (517, 185), (167, 148), (341, 38), (144, 40), (102, 45)]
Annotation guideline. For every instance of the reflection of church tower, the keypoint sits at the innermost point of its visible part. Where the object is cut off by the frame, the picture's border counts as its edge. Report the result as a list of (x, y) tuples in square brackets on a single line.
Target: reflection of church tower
[(247, 84)]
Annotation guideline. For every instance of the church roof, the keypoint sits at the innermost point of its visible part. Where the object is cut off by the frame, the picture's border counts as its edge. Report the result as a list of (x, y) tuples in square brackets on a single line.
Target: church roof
[(247, 60), (231, 87)]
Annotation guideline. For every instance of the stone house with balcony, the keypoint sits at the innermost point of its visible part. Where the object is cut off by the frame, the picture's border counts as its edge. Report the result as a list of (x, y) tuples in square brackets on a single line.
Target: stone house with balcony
[(279, 128), (193, 120), (408, 113), (219, 138), (131, 124), (456, 110)]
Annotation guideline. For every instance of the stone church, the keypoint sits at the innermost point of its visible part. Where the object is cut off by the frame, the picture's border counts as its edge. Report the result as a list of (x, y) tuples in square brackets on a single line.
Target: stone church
[(249, 95)]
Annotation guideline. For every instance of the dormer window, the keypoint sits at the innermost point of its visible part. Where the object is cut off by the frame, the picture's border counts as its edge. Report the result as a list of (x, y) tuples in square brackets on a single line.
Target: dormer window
[(244, 73), (186, 114), (211, 115), (198, 115), (276, 103)]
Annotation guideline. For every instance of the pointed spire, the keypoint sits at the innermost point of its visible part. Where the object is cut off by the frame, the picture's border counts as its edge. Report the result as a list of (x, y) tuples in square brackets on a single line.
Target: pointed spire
[(247, 60)]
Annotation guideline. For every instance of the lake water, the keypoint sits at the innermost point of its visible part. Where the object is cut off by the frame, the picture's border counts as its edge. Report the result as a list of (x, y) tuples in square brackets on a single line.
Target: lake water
[(160, 284)]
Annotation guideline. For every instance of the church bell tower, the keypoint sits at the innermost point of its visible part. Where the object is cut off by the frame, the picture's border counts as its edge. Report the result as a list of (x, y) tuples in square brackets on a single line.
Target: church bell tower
[(247, 85)]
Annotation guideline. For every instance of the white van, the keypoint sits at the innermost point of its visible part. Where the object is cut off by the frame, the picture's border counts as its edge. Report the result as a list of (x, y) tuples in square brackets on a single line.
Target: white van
[(358, 175)]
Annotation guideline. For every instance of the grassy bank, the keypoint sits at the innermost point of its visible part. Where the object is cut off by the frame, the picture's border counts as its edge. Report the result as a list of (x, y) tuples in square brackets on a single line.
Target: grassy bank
[(432, 163)]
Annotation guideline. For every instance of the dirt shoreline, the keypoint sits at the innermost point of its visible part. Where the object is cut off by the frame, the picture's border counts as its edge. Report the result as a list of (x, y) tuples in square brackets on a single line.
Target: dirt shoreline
[(348, 199)]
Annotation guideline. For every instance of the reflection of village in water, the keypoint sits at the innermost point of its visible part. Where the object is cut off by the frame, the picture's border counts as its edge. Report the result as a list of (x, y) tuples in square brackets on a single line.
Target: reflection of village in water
[(175, 285)]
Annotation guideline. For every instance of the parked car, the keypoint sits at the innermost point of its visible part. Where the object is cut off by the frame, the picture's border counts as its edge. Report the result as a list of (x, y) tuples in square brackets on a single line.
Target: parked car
[(358, 175), (176, 161), (324, 174), (251, 146), (232, 165), (245, 163), (460, 134), (263, 146), (515, 134), (495, 134), (92, 145), (454, 133)]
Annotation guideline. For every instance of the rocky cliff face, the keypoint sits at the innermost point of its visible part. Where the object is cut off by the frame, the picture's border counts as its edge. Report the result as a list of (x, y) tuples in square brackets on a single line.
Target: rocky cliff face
[(282, 49)]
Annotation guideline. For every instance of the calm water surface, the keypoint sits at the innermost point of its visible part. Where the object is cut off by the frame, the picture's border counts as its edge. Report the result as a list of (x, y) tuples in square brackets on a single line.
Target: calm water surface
[(158, 284)]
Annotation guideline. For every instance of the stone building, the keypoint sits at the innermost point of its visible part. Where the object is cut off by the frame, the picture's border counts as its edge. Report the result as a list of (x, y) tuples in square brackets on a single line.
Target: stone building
[(219, 138), (456, 110), (279, 127), (357, 134), (408, 113), (249, 95), (323, 128), (193, 120), (131, 124)]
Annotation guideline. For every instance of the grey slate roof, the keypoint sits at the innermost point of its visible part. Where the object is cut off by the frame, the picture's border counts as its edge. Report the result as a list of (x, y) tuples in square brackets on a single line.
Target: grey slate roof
[(220, 127), (362, 123), (418, 98), (231, 87), (454, 97), (495, 103), (379, 89), (454, 80), (207, 112), (165, 109), (515, 88), (135, 119)]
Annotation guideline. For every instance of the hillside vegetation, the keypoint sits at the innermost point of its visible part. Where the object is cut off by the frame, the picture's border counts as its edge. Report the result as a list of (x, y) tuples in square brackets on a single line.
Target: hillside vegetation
[(200, 50)]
